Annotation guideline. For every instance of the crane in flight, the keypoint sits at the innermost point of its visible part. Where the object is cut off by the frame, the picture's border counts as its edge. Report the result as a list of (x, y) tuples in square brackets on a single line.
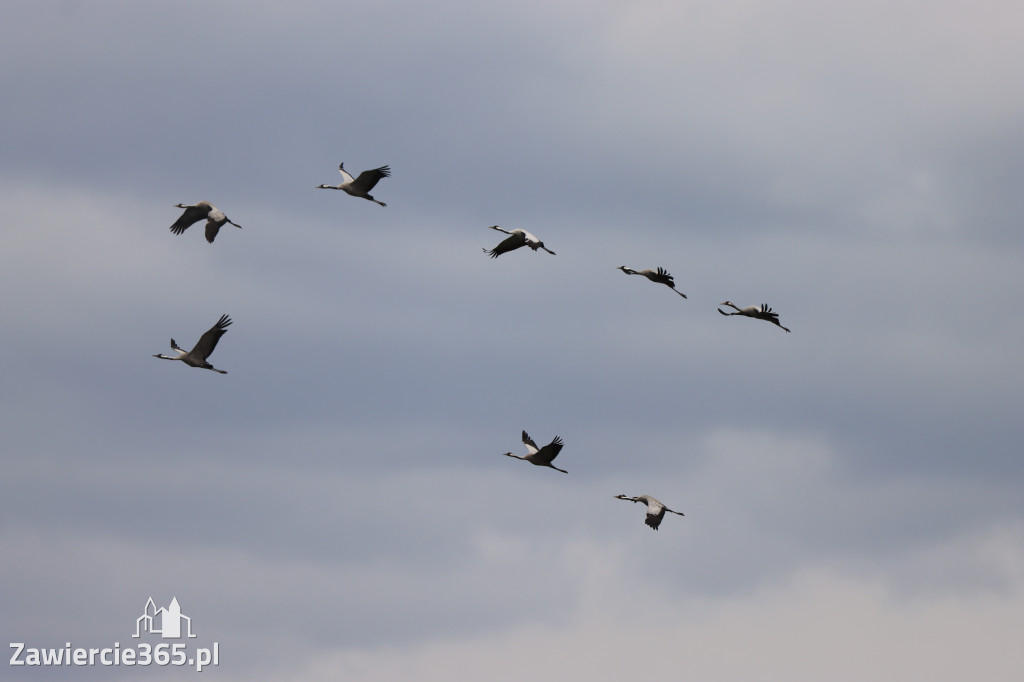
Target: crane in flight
[(540, 456), (762, 312), (361, 186), (655, 509), (516, 239), (196, 212), (661, 276), (203, 349)]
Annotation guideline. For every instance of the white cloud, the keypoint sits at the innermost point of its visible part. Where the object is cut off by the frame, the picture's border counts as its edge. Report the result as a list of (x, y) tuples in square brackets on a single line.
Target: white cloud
[(821, 625)]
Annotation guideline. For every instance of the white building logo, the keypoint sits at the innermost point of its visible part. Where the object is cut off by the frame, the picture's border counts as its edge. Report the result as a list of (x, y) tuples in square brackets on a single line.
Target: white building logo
[(164, 622)]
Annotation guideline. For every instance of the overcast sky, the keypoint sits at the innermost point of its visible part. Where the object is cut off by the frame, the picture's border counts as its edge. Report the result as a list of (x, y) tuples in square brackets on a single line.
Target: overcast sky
[(337, 507)]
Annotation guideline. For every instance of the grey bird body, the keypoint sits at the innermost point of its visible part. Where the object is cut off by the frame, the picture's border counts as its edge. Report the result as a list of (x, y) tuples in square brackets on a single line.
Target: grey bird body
[(198, 211), (203, 348), (762, 312), (540, 456), (516, 239), (655, 509), (361, 186), (660, 276)]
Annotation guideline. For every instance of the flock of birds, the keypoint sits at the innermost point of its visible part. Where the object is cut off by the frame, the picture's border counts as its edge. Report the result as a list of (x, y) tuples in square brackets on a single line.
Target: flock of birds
[(517, 238)]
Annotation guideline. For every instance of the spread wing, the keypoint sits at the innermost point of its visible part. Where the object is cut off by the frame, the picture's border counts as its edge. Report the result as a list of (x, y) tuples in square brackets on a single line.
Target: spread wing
[(768, 314), (528, 442), (208, 341), (212, 228), (508, 244), (369, 178), (551, 450), (192, 215), (344, 173)]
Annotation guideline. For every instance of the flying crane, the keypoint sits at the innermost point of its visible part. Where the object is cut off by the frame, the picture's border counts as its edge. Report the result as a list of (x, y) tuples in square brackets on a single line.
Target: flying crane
[(540, 456), (516, 239), (661, 276), (361, 186), (762, 312), (196, 212), (203, 349), (655, 509)]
